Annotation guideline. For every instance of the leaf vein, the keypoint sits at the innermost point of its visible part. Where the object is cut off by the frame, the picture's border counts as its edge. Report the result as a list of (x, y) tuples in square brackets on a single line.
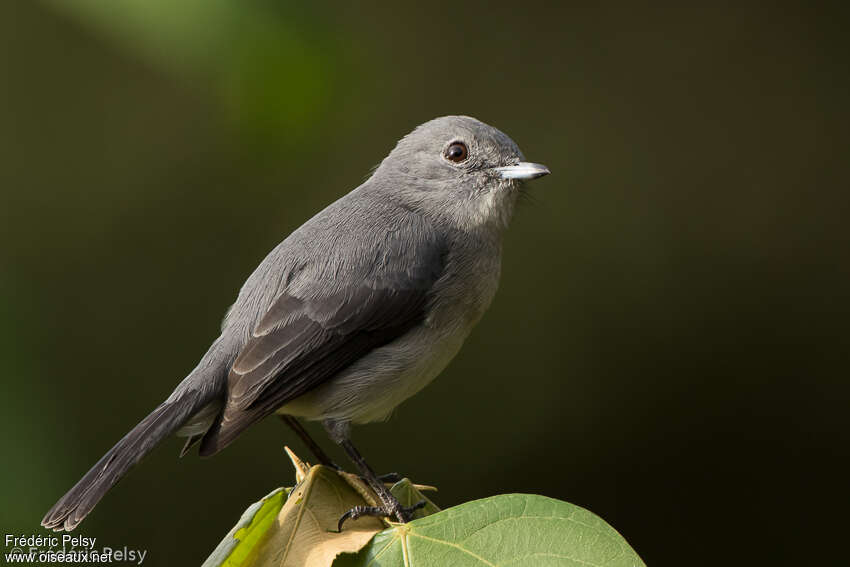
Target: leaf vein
[(454, 545), (381, 552)]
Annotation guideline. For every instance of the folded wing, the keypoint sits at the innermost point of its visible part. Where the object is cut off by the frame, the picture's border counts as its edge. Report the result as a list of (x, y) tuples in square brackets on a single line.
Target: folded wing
[(300, 343)]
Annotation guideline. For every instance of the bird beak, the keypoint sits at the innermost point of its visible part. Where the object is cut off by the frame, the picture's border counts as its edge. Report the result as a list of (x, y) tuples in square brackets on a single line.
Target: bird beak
[(522, 170)]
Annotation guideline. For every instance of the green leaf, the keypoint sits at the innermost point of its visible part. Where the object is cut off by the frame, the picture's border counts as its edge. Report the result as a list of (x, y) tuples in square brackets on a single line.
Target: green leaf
[(408, 495), (506, 531), (252, 526), (297, 527)]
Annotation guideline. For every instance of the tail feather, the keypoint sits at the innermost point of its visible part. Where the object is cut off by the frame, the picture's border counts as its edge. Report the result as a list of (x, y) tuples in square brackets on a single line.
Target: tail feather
[(224, 430), (70, 510), (191, 441)]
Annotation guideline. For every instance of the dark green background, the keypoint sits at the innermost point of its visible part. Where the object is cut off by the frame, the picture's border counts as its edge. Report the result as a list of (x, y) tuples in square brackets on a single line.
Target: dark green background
[(669, 346)]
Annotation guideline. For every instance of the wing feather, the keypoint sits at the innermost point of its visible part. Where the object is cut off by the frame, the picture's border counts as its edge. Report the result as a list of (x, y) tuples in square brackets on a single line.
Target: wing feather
[(300, 343)]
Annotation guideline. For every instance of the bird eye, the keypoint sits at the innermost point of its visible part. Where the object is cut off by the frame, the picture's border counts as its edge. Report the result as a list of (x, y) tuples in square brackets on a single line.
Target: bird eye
[(457, 152)]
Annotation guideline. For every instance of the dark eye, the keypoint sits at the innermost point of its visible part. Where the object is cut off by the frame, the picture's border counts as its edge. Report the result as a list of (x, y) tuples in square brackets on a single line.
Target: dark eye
[(457, 151)]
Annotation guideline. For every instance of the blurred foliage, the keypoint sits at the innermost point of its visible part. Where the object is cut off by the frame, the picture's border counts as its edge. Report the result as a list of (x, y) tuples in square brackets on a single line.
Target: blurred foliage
[(670, 338), (267, 74)]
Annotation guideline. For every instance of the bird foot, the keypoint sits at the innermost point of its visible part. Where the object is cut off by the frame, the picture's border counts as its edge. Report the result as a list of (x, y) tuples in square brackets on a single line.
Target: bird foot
[(392, 477), (402, 514)]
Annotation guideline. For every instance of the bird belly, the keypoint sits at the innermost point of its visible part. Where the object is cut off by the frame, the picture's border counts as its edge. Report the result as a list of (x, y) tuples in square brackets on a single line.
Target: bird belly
[(371, 388)]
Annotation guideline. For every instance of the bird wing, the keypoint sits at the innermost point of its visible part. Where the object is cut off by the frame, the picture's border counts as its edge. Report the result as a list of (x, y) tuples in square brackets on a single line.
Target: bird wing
[(303, 341)]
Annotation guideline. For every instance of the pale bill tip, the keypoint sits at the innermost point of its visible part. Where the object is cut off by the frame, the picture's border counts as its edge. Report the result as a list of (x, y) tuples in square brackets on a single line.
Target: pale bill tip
[(523, 170)]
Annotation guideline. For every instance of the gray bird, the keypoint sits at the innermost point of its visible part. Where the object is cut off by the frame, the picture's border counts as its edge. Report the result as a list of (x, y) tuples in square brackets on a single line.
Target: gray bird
[(353, 313)]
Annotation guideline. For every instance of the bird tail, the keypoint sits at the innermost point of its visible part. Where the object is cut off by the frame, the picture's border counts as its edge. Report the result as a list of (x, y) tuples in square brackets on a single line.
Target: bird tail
[(70, 510)]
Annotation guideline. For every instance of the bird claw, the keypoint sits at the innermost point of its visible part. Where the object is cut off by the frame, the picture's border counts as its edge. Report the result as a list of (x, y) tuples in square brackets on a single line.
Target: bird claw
[(390, 477), (403, 514)]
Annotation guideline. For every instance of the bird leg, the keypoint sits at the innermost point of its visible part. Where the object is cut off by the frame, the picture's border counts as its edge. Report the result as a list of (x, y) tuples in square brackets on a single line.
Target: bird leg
[(314, 447), (391, 507), (321, 457)]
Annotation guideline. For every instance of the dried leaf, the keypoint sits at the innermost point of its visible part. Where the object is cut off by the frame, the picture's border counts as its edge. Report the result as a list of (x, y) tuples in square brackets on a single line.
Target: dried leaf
[(301, 529)]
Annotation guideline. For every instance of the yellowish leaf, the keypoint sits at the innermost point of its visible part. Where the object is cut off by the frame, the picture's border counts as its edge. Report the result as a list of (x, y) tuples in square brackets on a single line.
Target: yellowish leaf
[(298, 526)]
